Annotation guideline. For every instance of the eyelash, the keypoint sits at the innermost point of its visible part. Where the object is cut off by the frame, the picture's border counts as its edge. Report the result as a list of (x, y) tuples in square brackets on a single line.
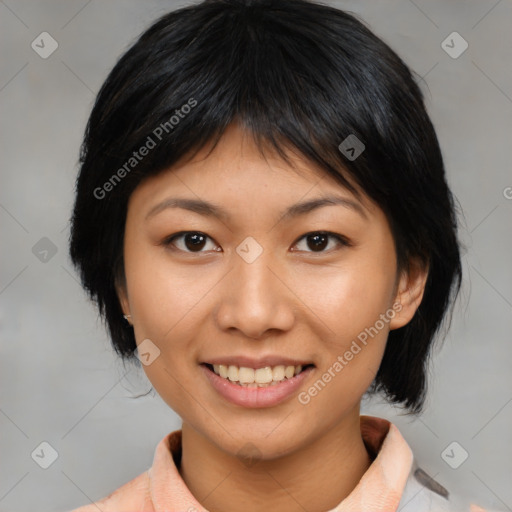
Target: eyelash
[(342, 241)]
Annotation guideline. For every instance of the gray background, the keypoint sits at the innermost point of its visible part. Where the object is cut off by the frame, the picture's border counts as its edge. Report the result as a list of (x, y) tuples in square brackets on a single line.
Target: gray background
[(60, 381)]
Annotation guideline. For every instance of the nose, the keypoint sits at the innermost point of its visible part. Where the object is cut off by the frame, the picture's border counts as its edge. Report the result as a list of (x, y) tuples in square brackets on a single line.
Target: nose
[(255, 299)]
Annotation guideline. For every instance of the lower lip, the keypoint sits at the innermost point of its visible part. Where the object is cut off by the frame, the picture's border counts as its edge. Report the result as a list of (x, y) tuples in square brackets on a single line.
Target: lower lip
[(268, 396)]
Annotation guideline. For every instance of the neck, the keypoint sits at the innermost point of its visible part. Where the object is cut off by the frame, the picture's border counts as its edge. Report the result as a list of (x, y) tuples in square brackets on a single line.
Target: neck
[(316, 477)]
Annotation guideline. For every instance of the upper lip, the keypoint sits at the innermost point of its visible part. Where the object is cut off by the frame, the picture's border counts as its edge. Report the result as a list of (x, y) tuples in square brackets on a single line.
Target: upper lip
[(261, 362)]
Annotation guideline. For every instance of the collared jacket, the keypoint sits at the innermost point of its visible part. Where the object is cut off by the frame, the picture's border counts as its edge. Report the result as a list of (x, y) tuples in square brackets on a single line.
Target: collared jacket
[(393, 482)]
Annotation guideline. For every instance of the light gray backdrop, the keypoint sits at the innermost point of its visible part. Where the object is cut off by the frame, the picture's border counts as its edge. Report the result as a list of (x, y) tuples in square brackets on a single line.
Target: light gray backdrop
[(61, 383)]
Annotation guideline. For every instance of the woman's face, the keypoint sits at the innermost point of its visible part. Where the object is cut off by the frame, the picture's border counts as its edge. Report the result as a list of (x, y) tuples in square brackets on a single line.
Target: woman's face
[(232, 281)]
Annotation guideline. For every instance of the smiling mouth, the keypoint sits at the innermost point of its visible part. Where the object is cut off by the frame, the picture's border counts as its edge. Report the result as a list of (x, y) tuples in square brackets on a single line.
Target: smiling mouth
[(256, 378)]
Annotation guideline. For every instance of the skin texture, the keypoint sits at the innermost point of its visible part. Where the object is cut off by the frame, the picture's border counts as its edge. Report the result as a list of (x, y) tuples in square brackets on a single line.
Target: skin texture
[(293, 301)]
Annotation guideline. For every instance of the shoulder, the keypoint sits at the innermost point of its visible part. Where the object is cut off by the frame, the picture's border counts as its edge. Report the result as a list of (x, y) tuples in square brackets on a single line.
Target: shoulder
[(131, 497), (424, 494)]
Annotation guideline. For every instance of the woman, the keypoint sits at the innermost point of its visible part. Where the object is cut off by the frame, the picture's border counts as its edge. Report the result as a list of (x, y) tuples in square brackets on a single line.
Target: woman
[(263, 219)]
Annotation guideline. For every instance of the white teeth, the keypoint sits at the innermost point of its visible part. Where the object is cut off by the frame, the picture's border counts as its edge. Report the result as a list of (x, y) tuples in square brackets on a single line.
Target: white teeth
[(245, 375), (260, 377), (278, 373), (289, 372), (263, 375), (232, 373)]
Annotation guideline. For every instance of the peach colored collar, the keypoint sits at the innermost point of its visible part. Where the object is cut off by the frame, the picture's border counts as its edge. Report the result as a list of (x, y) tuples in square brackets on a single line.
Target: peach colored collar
[(379, 490)]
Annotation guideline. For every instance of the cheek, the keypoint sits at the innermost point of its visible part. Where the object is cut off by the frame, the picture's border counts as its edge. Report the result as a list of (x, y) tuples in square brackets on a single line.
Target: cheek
[(349, 364), (353, 304), (168, 383), (167, 302), (347, 299), (162, 295), (162, 301)]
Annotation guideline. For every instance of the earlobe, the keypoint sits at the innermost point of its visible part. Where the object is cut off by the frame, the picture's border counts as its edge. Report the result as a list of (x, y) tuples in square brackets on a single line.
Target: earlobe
[(410, 293), (123, 301)]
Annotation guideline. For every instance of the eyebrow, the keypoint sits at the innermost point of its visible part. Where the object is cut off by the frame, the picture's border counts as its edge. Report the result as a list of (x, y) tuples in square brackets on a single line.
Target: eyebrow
[(214, 210)]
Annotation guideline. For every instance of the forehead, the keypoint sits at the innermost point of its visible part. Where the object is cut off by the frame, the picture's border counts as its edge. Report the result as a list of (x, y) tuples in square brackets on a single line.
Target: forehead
[(236, 174)]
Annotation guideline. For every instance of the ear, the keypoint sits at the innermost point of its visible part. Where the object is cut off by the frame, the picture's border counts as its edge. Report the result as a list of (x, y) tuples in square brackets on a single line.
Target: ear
[(123, 299), (410, 290)]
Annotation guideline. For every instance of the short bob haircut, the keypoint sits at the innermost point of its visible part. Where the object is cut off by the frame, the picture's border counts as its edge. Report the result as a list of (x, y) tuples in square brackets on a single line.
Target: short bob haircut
[(297, 76)]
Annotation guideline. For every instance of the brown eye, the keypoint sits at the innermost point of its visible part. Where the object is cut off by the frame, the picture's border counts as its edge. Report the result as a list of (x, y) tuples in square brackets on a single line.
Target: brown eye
[(194, 241), (318, 241), (189, 241)]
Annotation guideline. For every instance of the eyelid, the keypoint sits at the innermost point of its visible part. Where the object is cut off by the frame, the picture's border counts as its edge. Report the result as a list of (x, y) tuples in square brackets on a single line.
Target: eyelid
[(168, 241), (342, 240)]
